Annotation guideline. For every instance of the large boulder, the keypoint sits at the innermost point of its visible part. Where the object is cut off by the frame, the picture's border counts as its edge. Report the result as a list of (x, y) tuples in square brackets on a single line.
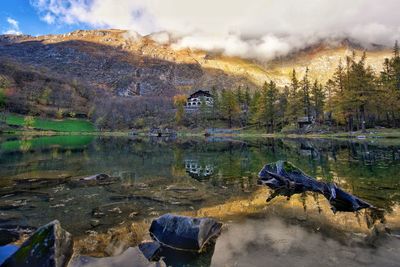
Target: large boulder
[(49, 246), (286, 179), (184, 233)]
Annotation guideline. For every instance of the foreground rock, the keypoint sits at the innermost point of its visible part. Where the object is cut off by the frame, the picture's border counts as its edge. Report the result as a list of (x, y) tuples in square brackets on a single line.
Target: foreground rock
[(6, 251), (184, 233), (49, 246), (286, 180), (130, 257)]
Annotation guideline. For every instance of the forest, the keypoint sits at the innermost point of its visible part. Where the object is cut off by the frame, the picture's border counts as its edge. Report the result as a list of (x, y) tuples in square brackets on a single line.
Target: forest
[(354, 98)]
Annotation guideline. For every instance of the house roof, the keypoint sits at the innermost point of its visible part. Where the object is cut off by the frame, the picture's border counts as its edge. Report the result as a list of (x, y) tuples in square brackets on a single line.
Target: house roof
[(200, 93)]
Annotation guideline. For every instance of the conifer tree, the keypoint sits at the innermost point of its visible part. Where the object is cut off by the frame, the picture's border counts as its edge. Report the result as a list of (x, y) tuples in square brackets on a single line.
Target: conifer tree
[(253, 109), (294, 107), (318, 100), (305, 95)]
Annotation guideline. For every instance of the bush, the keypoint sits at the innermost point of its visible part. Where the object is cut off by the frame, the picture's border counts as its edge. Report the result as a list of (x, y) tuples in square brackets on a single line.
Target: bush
[(59, 114), (29, 121), (139, 123), (291, 128)]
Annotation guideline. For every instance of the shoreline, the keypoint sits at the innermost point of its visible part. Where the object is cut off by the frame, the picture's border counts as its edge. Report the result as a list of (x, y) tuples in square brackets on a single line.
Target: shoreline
[(372, 134)]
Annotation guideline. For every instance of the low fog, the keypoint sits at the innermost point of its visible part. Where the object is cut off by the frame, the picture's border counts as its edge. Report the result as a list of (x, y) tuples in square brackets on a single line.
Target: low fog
[(272, 242), (256, 28)]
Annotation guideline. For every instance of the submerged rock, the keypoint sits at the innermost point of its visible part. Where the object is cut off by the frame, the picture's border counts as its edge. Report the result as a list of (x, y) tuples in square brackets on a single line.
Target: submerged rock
[(130, 257), (93, 180), (49, 246), (150, 249), (184, 233), (287, 180)]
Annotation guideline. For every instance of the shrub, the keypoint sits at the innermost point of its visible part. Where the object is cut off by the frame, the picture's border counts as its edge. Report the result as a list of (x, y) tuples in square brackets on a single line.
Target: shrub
[(29, 121)]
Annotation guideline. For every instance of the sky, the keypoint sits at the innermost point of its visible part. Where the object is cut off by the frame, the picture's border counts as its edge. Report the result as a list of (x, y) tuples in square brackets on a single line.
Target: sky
[(20, 16), (248, 28)]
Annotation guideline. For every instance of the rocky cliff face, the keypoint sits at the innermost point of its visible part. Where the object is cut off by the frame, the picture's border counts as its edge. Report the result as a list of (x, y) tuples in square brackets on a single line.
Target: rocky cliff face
[(114, 61), (128, 65)]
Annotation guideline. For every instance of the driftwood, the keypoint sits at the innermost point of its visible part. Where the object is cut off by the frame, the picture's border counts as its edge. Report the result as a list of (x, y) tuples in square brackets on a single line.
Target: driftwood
[(286, 180)]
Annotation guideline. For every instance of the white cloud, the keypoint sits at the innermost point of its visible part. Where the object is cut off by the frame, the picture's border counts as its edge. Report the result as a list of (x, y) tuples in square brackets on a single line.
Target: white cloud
[(251, 28), (13, 23), (48, 18), (13, 27)]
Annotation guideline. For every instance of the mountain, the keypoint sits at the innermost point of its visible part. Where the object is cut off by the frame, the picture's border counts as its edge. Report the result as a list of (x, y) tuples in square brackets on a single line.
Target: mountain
[(72, 71)]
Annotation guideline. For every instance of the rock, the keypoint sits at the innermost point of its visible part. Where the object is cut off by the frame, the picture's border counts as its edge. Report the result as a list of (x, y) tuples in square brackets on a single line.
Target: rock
[(6, 251), (286, 180), (133, 214), (97, 179), (49, 246), (150, 249), (184, 233), (94, 222), (178, 188), (130, 257)]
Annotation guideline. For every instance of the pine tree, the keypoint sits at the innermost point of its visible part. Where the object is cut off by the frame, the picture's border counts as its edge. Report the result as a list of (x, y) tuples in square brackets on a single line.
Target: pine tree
[(247, 97), (283, 103), (253, 109), (318, 100), (389, 81), (262, 106), (305, 95), (266, 113), (294, 107), (395, 63), (272, 95), (239, 95), (246, 106)]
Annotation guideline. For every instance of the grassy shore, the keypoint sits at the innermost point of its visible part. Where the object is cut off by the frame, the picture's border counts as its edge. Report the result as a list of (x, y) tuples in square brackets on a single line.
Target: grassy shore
[(49, 127), (40, 124)]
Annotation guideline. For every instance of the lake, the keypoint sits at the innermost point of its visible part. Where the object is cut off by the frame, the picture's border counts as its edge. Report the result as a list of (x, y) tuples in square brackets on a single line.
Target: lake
[(46, 178)]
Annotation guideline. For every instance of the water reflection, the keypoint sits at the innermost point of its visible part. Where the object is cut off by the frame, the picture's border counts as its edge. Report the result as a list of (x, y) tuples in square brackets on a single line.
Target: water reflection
[(197, 170), (275, 242), (39, 182)]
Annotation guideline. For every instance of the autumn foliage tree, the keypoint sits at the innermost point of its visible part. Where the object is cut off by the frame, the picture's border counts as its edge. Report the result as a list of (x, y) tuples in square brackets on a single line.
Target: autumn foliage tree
[(179, 103)]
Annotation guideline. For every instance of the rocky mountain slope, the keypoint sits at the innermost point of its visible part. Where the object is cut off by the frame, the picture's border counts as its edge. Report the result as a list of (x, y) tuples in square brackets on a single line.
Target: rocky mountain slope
[(114, 63)]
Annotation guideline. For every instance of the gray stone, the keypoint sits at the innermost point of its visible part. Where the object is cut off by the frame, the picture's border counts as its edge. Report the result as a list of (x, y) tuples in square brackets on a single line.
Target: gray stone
[(130, 257), (94, 222), (150, 249), (184, 233), (49, 246)]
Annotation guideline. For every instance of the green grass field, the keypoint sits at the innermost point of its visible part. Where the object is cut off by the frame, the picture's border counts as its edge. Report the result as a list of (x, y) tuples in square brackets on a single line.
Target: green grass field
[(68, 125)]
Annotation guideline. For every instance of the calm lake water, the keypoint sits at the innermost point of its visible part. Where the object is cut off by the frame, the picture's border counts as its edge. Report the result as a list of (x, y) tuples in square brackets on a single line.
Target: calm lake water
[(42, 179)]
